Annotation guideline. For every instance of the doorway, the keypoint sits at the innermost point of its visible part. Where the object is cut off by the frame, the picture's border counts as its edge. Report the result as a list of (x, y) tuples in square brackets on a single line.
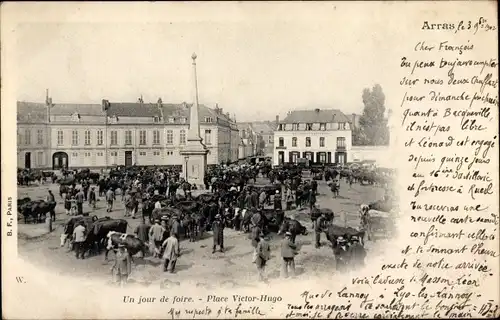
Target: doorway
[(27, 160), (281, 157), (59, 160), (340, 157), (128, 158)]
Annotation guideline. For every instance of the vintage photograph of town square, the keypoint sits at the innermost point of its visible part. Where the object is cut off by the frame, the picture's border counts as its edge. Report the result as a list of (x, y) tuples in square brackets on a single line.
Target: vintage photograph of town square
[(214, 153)]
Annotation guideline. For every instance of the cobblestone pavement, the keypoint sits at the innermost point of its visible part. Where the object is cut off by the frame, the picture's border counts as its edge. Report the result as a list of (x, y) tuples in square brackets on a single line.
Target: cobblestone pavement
[(197, 264)]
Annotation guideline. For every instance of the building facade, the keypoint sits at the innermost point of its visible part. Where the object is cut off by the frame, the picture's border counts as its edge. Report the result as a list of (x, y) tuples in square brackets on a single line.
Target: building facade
[(33, 139), (103, 135), (247, 141), (265, 132), (321, 136)]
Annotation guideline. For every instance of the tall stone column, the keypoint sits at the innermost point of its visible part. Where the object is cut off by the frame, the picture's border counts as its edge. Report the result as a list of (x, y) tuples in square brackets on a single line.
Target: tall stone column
[(195, 153)]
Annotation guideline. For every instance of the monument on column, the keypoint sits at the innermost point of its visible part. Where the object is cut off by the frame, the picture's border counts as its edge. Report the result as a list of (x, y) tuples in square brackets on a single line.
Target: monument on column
[(195, 152)]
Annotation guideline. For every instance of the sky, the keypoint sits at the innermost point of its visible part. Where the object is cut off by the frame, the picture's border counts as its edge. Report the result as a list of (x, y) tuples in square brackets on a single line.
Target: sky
[(254, 63)]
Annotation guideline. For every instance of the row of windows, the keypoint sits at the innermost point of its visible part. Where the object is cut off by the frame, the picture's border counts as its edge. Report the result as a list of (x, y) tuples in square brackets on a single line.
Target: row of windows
[(340, 142), (27, 137), (128, 137), (309, 126), (77, 117), (114, 154)]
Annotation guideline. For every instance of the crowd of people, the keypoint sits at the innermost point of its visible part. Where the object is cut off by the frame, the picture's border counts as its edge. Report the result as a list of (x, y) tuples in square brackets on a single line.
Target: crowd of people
[(236, 199)]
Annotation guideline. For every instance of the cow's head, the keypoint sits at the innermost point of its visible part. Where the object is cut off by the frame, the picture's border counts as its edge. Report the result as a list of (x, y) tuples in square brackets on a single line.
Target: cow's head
[(303, 230), (364, 208), (63, 239), (110, 244)]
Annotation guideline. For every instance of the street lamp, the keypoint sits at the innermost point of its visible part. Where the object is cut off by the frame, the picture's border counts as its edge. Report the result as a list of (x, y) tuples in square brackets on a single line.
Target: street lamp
[(186, 159)]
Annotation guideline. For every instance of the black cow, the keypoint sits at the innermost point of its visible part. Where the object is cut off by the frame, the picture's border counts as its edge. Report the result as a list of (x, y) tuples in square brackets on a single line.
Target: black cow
[(36, 210), (49, 174), (97, 234), (333, 231), (294, 227), (22, 201)]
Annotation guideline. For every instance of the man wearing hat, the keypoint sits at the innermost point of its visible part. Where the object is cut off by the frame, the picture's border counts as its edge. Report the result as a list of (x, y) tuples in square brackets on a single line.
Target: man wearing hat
[(127, 200), (218, 233), (79, 239), (318, 228), (51, 198), (312, 198), (248, 200), (92, 198), (142, 232), (292, 222), (254, 196), (79, 201), (288, 252), (341, 254), (175, 230), (122, 266), (171, 253), (263, 254), (255, 235), (256, 219), (365, 220), (262, 198), (277, 201), (289, 198), (357, 253), (156, 237), (110, 197)]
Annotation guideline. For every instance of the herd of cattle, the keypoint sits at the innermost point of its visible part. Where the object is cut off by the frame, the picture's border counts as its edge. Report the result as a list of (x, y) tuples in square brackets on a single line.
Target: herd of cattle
[(195, 213)]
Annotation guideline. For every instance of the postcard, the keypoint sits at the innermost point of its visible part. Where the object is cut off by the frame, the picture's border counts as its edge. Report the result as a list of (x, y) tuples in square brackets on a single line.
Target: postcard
[(250, 160)]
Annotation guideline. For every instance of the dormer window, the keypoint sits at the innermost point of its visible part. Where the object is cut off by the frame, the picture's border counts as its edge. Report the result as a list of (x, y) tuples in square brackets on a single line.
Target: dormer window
[(280, 128), (341, 125), (75, 117), (113, 119), (209, 119), (156, 119), (309, 126), (171, 120), (295, 126), (183, 120), (322, 126)]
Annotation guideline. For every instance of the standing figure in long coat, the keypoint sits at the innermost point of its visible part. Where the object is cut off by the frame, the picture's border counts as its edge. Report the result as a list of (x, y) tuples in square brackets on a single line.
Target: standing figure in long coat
[(171, 245), (218, 230), (123, 265)]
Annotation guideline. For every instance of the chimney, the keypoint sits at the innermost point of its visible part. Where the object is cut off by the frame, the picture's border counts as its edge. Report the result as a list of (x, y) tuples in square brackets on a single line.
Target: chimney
[(48, 104), (277, 119), (159, 102), (105, 105), (317, 110)]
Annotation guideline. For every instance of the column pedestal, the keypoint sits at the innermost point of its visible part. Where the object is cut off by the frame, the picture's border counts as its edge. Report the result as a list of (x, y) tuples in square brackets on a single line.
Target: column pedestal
[(194, 165)]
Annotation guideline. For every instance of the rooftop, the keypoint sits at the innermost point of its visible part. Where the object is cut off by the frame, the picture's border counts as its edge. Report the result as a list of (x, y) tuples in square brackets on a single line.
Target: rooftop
[(316, 116), (37, 112), (263, 127), (31, 112)]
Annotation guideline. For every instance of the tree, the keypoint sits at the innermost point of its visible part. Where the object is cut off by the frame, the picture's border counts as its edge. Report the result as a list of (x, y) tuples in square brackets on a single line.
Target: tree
[(373, 129)]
